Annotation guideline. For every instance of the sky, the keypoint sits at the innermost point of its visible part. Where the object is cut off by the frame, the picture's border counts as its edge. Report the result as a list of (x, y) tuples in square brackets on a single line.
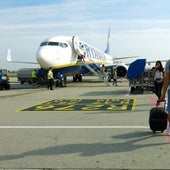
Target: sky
[(137, 27)]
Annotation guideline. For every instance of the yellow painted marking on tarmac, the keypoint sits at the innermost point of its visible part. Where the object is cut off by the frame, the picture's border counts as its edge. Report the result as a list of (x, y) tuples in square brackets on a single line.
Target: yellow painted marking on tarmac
[(134, 105), (65, 108), (92, 107), (27, 108), (84, 105)]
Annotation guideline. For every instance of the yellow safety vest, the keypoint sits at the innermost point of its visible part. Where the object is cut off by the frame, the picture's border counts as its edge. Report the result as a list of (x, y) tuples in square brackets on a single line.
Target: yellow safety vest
[(33, 74), (50, 74)]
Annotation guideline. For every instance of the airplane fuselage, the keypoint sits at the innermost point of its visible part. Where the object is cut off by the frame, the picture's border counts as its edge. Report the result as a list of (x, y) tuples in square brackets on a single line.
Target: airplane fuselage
[(61, 53)]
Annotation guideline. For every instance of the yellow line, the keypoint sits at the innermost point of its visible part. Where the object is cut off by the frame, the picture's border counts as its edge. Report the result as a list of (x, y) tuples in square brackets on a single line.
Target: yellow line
[(32, 106), (134, 105)]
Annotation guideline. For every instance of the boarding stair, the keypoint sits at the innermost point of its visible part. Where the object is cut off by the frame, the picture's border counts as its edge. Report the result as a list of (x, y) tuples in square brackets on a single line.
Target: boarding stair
[(81, 62), (96, 73)]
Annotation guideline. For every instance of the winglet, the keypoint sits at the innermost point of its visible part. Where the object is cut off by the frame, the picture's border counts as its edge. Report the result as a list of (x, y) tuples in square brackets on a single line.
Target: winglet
[(108, 43), (9, 55), (9, 59)]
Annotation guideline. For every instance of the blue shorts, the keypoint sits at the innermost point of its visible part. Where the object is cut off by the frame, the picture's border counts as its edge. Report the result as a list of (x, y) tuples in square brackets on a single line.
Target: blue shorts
[(168, 104)]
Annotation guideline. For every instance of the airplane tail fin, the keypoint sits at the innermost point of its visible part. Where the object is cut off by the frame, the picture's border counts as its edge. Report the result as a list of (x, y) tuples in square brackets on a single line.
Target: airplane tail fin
[(9, 55), (108, 43)]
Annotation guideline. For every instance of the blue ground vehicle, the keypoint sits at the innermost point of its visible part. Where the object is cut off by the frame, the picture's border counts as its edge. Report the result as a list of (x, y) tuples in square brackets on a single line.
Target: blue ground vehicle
[(60, 80), (4, 80)]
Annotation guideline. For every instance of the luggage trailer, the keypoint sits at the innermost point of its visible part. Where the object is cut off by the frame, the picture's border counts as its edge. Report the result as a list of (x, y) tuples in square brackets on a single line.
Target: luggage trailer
[(142, 82)]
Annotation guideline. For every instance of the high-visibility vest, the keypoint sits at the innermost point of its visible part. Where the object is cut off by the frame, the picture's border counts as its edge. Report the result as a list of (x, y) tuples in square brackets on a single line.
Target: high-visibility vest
[(33, 74), (50, 74)]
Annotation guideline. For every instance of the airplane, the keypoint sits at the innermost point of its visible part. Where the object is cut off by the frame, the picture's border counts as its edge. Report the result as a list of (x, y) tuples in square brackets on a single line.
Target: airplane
[(71, 56)]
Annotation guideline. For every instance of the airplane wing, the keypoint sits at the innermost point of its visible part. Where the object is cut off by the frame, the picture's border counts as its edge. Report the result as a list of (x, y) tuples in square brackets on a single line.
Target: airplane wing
[(126, 57), (9, 59), (154, 61), (122, 68)]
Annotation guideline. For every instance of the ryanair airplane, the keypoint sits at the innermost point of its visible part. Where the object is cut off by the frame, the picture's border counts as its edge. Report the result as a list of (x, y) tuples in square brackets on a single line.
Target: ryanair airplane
[(71, 56)]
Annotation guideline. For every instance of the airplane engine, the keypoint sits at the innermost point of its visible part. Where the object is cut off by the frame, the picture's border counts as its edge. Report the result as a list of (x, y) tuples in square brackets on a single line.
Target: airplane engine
[(121, 70)]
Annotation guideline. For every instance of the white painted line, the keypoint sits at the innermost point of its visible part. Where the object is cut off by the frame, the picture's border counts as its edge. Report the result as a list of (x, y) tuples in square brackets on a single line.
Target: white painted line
[(74, 127)]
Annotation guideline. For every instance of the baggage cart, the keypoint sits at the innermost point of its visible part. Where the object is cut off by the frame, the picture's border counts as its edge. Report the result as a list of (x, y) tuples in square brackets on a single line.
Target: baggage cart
[(143, 82)]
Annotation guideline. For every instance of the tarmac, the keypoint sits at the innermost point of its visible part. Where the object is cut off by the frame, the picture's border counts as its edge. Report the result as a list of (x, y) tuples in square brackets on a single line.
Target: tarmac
[(86, 125)]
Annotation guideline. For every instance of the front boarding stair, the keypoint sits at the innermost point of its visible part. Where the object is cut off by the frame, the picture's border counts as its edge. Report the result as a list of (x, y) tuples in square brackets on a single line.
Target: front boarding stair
[(96, 73), (79, 51)]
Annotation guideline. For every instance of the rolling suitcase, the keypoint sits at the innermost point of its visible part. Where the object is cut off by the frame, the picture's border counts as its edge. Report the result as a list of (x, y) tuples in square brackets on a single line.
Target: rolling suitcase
[(158, 118)]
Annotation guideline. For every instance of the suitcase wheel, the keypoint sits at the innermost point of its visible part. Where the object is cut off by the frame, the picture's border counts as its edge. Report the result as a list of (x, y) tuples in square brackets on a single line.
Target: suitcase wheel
[(155, 131)]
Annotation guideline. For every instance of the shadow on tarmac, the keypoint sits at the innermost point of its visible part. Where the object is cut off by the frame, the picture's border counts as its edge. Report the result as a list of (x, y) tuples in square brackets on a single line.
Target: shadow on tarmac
[(131, 142), (104, 93)]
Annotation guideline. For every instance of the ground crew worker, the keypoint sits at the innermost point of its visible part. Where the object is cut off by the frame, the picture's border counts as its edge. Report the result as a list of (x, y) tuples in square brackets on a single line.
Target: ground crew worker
[(7, 77), (50, 78), (34, 76)]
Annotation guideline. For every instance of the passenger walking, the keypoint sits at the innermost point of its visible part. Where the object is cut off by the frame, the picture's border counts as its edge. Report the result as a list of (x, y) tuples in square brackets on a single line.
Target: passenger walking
[(103, 71), (158, 73), (115, 77), (82, 56), (164, 91), (50, 78)]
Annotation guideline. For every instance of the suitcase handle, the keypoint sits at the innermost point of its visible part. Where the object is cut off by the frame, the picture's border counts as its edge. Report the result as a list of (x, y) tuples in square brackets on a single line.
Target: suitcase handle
[(159, 101)]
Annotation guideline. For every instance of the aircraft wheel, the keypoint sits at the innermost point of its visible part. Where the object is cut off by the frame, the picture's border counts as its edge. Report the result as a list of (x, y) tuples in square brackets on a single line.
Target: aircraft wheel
[(22, 82), (74, 78)]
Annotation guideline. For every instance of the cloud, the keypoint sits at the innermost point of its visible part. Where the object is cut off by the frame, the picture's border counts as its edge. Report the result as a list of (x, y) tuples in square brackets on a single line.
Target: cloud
[(136, 26)]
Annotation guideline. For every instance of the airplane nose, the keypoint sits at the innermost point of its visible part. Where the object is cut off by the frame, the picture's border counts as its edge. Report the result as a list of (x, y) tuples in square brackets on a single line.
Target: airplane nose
[(42, 56)]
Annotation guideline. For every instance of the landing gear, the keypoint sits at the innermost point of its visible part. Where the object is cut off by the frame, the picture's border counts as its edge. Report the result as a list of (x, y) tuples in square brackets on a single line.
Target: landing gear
[(77, 77)]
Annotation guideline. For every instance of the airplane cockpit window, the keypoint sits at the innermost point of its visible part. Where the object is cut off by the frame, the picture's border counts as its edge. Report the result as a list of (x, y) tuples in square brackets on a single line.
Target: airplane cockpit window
[(53, 43), (50, 43), (44, 43), (63, 45)]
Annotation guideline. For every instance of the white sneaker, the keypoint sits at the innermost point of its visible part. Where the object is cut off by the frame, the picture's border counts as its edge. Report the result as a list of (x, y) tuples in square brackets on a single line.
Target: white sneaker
[(168, 131)]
